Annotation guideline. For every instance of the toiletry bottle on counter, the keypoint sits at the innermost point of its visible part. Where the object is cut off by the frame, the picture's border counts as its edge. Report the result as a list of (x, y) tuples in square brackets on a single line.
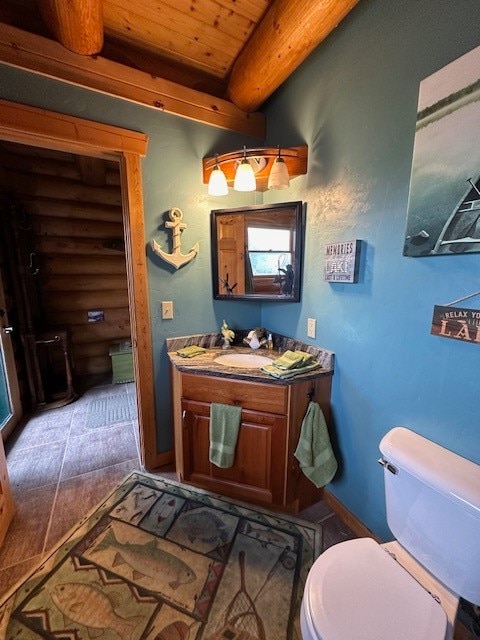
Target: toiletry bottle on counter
[(269, 342)]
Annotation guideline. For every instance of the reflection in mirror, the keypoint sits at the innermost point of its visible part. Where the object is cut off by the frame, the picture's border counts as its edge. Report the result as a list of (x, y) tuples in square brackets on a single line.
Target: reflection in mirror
[(257, 252)]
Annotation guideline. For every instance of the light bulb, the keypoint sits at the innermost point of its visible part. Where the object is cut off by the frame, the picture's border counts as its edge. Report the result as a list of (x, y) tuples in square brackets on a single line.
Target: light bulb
[(244, 175), (279, 178), (217, 184)]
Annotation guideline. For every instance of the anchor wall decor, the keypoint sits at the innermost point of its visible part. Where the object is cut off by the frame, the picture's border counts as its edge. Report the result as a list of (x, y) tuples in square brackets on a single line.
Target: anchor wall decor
[(176, 258)]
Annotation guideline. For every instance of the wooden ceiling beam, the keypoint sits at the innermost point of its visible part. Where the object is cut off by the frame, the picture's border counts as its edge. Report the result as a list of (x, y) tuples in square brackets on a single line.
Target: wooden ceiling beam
[(45, 57), (77, 24), (288, 33)]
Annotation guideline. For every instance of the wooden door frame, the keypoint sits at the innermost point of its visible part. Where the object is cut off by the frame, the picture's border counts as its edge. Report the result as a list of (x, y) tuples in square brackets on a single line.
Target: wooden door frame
[(41, 128), (11, 381)]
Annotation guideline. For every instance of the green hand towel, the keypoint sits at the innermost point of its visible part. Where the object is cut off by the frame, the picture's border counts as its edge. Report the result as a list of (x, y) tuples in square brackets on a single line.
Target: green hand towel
[(306, 357), (284, 374), (224, 426), (314, 451), (288, 360), (190, 352)]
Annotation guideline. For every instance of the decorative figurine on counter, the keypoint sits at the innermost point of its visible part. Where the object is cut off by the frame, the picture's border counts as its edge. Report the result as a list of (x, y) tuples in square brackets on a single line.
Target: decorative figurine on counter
[(228, 335)]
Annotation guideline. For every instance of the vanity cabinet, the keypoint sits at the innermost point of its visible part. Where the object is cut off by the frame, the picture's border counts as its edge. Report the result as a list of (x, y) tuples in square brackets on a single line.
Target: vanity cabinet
[(265, 470)]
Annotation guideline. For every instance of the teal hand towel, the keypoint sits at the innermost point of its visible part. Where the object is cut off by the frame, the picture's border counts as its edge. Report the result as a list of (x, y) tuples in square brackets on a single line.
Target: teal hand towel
[(314, 451), (224, 426)]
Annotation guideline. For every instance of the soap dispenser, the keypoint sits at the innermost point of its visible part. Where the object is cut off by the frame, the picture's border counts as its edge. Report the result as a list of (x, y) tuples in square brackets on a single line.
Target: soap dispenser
[(270, 342)]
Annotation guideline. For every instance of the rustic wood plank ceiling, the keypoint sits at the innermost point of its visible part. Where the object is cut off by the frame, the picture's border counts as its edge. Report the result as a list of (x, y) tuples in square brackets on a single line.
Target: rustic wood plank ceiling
[(205, 35), (233, 52)]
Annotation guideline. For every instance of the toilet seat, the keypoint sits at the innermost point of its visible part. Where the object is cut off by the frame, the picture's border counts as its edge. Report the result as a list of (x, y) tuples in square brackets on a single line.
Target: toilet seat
[(356, 590)]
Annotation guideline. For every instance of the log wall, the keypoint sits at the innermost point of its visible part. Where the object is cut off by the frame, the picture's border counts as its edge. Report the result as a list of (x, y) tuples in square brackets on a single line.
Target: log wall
[(75, 209)]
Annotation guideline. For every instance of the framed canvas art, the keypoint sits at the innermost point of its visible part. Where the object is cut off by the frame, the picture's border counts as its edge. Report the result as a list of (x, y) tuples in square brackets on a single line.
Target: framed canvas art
[(444, 202)]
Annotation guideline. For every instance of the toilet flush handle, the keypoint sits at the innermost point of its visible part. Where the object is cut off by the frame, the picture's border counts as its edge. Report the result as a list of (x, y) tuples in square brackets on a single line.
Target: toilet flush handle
[(388, 465)]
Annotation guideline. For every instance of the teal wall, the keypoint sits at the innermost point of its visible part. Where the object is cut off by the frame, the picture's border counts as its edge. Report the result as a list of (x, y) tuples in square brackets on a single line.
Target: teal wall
[(172, 177), (354, 103)]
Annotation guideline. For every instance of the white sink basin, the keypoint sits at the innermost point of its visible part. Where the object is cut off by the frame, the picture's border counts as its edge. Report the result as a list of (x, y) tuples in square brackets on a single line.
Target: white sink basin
[(243, 360)]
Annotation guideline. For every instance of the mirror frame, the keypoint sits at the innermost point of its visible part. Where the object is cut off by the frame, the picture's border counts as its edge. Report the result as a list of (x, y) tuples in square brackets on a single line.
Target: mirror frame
[(297, 209)]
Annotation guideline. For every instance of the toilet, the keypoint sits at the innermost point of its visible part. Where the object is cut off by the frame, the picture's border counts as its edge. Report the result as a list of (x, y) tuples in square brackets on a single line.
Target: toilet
[(407, 589)]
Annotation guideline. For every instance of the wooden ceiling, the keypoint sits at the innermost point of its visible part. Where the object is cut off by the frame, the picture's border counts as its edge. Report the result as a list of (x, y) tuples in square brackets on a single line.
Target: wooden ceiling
[(215, 61)]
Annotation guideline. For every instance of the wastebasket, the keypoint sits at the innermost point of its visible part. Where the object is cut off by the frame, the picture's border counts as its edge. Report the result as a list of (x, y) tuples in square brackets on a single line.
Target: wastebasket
[(122, 361)]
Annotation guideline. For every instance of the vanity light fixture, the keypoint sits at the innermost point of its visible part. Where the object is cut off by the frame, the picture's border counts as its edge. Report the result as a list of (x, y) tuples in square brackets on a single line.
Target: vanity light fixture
[(244, 176), (266, 168), (217, 184), (279, 177)]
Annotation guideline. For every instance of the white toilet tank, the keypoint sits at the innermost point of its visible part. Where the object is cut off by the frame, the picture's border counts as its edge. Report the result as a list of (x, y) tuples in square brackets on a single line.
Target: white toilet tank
[(433, 508)]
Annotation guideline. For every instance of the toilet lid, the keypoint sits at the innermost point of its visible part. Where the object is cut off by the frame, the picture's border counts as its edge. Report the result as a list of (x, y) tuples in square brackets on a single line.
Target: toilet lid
[(356, 590)]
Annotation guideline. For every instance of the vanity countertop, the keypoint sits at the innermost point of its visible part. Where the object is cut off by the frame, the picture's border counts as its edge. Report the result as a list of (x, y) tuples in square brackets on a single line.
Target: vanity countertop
[(205, 364)]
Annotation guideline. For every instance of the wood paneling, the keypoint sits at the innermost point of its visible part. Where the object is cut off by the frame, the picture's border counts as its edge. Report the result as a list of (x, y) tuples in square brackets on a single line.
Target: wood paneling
[(41, 55), (113, 316), (204, 38), (92, 282), (81, 258), (30, 125), (74, 265), (165, 54), (79, 246), (69, 228), (57, 188), (67, 209), (99, 332), (83, 301)]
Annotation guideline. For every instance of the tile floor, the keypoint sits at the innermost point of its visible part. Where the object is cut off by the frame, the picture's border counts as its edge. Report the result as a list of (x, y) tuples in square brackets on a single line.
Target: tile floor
[(59, 470)]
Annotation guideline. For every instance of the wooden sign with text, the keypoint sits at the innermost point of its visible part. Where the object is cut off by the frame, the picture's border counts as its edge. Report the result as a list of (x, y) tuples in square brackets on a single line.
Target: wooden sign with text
[(456, 323), (341, 261)]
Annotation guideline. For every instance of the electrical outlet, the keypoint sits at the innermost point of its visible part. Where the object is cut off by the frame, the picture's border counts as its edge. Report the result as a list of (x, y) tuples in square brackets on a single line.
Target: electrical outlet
[(311, 327), (167, 310)]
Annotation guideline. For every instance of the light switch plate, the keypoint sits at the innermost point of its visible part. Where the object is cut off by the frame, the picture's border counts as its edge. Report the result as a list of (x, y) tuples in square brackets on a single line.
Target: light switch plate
[(311, 327), (167, 310)]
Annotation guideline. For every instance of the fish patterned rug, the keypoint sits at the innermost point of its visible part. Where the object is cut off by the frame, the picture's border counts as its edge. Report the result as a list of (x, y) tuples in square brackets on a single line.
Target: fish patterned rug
[(159, 560)]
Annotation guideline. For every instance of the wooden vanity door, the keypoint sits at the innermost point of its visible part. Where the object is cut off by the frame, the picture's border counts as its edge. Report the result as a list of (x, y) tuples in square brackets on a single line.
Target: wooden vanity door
[(258, 472), (7, 507)]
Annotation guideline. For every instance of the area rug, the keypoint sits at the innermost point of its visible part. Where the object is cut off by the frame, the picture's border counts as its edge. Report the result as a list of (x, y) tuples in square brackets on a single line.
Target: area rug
[(110, 410), (159, 560)]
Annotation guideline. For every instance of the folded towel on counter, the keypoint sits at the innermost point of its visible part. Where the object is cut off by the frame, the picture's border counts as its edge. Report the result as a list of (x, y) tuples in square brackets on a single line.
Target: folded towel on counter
[(224, 426), (306, 357), (293, 360), (288, 360), (314, 450), (190, 352), (284, 374)]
